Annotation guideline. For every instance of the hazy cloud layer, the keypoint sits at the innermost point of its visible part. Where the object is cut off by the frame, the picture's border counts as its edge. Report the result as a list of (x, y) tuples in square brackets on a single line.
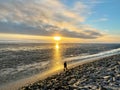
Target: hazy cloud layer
[(45, 17)]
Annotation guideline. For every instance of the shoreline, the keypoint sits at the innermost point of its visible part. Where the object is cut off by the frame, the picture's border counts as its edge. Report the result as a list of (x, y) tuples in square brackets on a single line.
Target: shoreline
[(77, 61), (100, 74)]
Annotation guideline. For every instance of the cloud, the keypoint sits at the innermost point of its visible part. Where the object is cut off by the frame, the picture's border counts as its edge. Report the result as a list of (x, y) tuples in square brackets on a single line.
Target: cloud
[(101, 20), (48, 31), (43, 17)]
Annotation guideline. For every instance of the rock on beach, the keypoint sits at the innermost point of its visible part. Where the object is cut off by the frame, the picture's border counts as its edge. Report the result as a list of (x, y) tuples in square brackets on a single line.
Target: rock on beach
[(103, 74)]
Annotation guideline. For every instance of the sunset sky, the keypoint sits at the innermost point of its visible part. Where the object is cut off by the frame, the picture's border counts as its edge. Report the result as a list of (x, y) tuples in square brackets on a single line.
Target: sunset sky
[(76, 21)]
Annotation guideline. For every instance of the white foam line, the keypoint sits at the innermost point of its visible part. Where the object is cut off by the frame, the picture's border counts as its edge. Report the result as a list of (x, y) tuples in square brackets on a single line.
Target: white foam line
[(101, 54), (7, 71)]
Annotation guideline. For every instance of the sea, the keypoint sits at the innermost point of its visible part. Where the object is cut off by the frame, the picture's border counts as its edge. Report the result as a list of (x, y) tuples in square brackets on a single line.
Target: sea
[(21, 60)]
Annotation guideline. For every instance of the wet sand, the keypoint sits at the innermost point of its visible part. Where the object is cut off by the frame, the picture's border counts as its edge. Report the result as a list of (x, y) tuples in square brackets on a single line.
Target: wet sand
[(102, 74)]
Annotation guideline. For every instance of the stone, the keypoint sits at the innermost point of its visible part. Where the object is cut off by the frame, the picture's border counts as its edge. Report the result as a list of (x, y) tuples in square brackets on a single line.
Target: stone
[(106, 77), (102, 88), (73, 80)]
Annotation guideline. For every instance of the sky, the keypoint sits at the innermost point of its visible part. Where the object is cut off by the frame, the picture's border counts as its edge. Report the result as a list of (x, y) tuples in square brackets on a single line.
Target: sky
[(76, 21)]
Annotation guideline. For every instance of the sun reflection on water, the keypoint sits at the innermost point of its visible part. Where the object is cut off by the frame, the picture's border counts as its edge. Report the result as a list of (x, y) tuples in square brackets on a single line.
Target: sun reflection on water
[(57, 46), (57, 60)]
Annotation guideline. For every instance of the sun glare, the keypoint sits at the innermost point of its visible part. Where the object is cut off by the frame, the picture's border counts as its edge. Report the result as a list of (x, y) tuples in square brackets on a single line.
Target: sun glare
[(57, 38), (57, 46)]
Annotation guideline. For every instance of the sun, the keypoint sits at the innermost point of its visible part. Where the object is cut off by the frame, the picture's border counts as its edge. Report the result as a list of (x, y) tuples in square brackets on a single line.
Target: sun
[(57, 38)]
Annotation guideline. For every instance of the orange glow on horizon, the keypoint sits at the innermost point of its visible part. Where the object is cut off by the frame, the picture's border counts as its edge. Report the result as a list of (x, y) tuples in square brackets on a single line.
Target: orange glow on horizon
[(51, 39)]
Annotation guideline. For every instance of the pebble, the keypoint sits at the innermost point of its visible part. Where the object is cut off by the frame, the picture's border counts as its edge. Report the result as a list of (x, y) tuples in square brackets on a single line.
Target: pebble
[(103, 74)]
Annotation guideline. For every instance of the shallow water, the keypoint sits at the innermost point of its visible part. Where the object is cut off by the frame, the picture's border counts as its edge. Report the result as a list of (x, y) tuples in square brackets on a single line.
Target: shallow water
[(18, 61)]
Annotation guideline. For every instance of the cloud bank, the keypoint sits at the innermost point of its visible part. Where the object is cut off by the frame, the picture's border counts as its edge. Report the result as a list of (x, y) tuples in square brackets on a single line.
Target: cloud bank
[(46, 17)]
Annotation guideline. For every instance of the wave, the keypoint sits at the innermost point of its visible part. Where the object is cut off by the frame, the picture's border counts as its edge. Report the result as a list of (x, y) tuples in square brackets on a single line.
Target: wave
[(98, 55)]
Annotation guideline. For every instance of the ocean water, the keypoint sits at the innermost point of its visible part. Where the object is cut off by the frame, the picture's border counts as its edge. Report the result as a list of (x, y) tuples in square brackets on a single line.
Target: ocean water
[(18, 61)]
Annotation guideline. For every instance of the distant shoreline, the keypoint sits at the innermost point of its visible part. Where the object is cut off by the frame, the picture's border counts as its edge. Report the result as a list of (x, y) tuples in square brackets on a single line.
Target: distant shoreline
[(19, 42)]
